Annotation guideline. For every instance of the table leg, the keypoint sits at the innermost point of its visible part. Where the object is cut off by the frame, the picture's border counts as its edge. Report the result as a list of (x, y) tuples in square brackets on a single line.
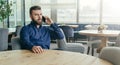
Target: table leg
[(102, 44)]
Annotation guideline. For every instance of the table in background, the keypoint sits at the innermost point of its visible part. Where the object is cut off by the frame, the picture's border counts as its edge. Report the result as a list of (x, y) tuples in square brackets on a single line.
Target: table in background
[(49, 57), (104, 36)]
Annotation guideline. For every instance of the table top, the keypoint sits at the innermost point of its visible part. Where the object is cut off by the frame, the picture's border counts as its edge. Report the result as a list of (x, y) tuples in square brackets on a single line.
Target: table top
[(49, 57), (106, 33)]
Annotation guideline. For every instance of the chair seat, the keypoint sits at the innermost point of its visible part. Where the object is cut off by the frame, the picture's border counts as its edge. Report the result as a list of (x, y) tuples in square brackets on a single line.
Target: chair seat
[(75, 47), (111, 54)]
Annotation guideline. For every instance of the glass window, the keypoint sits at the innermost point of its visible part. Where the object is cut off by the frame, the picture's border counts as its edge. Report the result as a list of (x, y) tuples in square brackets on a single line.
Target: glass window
[(66, 15), (44, 5), (66, 1), (111, 11), (15, 18), (66, 11), (89, 11)]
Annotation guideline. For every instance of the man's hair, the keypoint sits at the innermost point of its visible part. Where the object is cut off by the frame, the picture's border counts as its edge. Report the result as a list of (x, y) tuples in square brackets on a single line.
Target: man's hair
[(34, 8)]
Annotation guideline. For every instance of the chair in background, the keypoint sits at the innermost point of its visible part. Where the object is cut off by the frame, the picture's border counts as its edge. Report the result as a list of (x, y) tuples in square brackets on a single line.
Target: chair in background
[(68, 31), (18, 29), (3, 39), (111, 54), (93, 42), (14, 34), (117, 43), (74, 47)]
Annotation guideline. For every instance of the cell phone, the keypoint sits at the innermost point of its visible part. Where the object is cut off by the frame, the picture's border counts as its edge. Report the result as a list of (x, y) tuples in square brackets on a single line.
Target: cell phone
[(43, 19)]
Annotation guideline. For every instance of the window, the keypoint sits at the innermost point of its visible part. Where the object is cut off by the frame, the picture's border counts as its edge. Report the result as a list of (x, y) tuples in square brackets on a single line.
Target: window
[(15, 18), (59, 10), (89, 11), (45, 5), (111, 11), (66, 11)]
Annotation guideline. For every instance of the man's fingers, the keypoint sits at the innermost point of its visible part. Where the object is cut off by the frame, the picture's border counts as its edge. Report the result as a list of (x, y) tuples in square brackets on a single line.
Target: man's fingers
[(40, 49), (34, 50), (37, 49)]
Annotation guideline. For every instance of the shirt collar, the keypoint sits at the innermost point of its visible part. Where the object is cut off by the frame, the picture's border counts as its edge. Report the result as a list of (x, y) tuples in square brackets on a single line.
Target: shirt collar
[(34, 24)]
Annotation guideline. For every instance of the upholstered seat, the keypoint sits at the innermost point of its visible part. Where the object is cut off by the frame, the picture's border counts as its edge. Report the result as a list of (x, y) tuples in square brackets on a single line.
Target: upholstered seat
[(74, 47), (111, 54), (68, 31)]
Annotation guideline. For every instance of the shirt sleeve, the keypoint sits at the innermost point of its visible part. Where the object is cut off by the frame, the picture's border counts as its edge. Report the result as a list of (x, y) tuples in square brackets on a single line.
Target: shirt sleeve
[(55, 32), (25, 38)]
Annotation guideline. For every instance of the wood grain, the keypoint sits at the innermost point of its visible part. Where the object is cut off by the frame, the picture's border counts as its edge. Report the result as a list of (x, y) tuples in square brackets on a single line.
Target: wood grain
[(49, 57)]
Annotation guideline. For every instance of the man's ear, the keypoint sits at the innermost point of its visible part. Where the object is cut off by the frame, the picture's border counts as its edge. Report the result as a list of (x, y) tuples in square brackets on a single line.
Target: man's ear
[(31, 16)]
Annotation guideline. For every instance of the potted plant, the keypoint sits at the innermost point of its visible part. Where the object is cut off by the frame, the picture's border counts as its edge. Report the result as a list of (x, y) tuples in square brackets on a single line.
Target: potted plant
[(5, 10)]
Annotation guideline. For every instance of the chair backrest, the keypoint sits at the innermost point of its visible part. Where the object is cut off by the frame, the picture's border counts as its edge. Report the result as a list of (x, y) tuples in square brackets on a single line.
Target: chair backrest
[(3, 39), (18, 29), (15, 43), (118, 41), (62, 42), (111, 54), (68, 31)]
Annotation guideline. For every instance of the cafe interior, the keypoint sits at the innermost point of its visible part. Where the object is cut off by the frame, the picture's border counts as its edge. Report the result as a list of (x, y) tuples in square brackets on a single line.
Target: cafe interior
[(91, 30)]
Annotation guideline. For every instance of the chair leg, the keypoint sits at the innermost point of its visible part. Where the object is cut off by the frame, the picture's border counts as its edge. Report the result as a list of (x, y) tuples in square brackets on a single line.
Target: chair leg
[(92, 51), (88, 50)]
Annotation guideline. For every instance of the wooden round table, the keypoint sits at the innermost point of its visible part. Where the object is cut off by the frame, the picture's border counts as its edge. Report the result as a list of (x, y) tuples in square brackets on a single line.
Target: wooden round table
[(49, 57), (104, 36)]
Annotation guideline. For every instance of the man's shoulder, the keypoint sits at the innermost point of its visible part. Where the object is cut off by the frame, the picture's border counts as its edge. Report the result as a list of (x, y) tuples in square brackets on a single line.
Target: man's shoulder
[(26, 27)]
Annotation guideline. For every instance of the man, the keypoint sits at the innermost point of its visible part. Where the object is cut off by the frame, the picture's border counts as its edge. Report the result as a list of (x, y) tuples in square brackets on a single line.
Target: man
[(36, 37)]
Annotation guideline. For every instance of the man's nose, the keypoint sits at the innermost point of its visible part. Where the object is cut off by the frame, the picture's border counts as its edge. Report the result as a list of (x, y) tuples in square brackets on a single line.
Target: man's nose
[(40, 16)]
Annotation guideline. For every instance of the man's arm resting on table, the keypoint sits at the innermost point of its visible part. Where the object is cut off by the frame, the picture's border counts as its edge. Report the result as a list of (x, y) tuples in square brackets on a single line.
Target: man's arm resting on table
[(26, 43)]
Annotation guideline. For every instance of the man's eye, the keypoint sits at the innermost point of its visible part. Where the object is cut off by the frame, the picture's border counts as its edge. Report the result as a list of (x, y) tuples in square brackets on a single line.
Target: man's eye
[(36, 14)]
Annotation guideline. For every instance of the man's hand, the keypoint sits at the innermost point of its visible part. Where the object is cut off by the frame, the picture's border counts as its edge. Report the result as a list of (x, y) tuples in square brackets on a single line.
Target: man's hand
[(37, 49), (48, 20)]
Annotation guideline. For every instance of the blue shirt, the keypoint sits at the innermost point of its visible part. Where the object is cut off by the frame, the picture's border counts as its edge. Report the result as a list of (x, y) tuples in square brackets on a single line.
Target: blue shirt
[(31, 36)]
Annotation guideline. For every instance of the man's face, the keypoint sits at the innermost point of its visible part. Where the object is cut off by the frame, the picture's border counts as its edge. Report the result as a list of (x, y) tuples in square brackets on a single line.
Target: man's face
[(36, 16)]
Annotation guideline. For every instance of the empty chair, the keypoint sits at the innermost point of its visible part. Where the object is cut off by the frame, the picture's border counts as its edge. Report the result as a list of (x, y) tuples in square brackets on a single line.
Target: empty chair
[(3, 39), (74, 47), (111, 54), (68, 31), (118, 41), (93, 42)]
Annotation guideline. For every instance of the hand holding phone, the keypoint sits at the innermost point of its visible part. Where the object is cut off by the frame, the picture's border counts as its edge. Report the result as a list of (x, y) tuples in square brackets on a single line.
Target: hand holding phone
[(47, 20)]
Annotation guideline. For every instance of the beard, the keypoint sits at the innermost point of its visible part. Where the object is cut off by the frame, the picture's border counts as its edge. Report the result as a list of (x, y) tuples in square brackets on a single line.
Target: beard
[(37, 22)]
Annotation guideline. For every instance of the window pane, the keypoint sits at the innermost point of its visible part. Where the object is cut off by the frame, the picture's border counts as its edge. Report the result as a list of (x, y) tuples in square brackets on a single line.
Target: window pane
[(66, 1), (66, 11), (15, 18), (44, 5), (89, 11), (111, 11), (66, 15)]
